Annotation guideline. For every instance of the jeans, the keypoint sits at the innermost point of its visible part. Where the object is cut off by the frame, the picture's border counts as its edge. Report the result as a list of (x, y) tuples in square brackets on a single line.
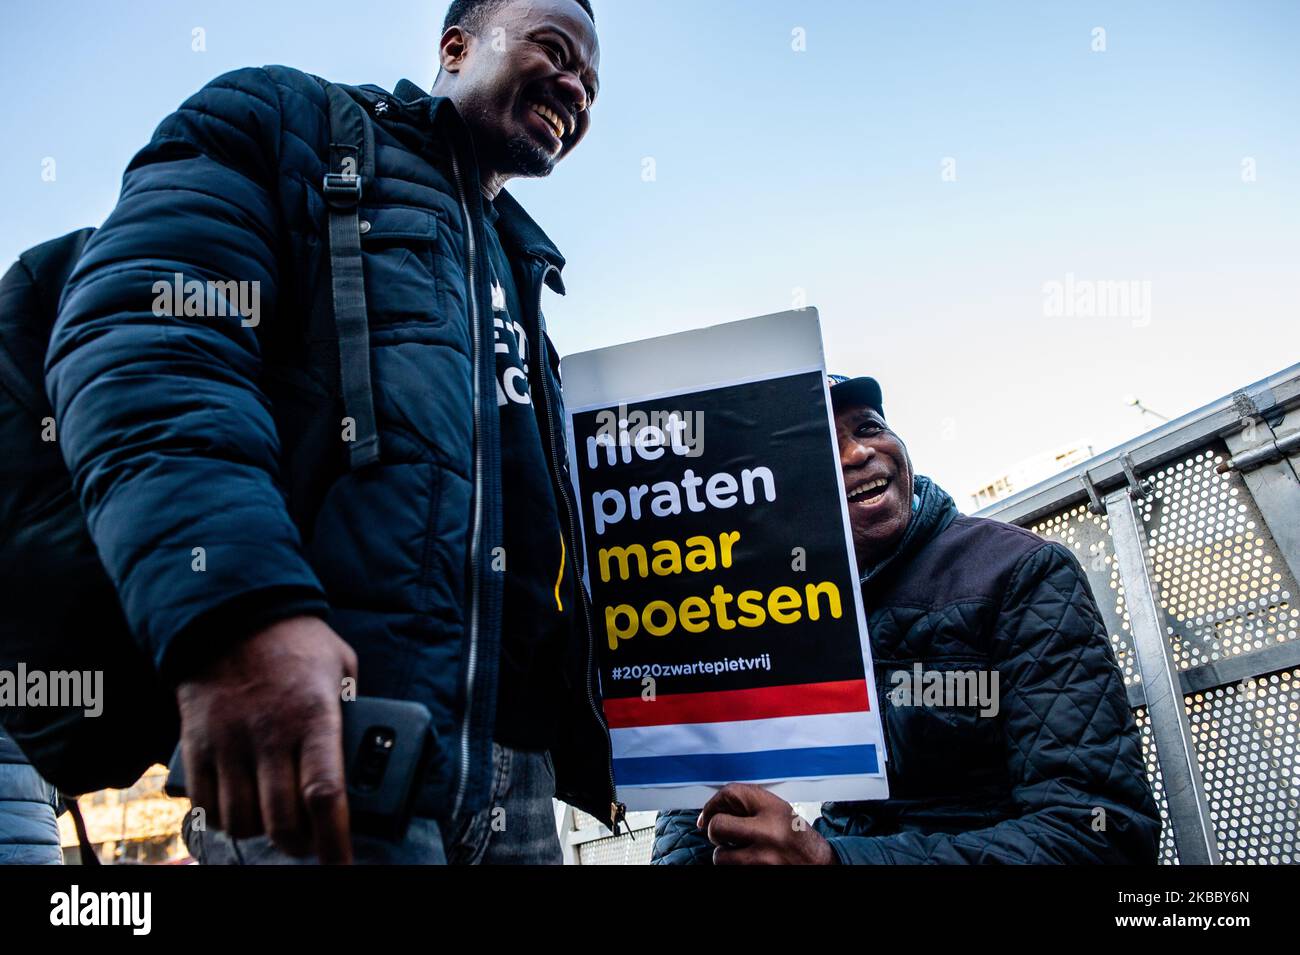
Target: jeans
[(517, 828)]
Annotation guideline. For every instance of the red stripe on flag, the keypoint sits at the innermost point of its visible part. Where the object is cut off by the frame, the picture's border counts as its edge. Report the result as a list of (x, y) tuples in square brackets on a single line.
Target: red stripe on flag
[(804, 699)]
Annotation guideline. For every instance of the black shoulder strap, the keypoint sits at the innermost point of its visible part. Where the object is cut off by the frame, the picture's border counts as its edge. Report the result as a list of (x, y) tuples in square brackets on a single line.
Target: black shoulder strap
[(29, 304), (84, 846), (352, 163)]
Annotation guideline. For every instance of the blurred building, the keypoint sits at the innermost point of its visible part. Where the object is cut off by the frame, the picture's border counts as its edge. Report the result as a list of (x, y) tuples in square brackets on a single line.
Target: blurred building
[(140, 825), (1029, 472)]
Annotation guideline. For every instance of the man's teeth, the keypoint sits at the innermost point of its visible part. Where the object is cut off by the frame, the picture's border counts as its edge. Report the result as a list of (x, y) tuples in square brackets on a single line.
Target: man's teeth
[(866, 489), (557, 124)]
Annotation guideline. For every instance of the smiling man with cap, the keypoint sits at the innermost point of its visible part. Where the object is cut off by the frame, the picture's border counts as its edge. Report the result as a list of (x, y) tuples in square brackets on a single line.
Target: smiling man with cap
[(1048, 769)]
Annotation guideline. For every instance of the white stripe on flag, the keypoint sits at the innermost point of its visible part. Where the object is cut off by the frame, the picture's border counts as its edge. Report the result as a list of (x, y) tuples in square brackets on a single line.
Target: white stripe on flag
[(746, 736), (848, 788)]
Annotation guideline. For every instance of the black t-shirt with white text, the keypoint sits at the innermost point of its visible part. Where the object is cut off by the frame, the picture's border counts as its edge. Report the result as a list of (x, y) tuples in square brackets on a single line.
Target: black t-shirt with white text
[(538, 592)]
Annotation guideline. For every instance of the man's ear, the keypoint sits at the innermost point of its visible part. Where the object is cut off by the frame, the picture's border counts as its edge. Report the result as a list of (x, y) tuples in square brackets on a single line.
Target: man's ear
[(452, 49)]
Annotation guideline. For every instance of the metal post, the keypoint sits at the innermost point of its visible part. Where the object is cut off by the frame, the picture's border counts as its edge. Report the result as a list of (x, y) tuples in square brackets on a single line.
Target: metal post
[(1188, 811), (564, 829), (1275, 489)]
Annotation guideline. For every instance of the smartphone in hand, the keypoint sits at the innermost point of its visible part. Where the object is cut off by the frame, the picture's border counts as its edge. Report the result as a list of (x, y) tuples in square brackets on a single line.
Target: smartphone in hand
[(387, 746)]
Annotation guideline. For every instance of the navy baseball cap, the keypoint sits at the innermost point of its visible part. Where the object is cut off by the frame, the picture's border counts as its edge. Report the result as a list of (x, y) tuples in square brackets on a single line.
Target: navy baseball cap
[(856, 391)]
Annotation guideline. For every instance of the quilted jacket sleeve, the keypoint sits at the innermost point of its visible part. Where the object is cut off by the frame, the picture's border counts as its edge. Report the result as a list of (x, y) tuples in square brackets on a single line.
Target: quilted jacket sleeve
[(169, 440), (29, 828), (678, 841), (1072, 749)]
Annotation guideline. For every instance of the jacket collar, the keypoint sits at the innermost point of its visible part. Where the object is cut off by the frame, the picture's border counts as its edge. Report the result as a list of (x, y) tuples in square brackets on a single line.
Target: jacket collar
[(408, 92), (440, 109), (935, 512), (515, 226)]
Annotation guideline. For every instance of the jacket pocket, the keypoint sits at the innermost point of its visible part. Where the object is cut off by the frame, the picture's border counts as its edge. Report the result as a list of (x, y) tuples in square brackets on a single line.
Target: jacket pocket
[(371, 535), (944, 730), (398, 247)]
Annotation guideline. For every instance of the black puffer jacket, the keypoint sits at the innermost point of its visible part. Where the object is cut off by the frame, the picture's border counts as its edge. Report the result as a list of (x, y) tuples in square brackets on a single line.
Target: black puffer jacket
[(29, 828), (1056, 776), (183, 430)]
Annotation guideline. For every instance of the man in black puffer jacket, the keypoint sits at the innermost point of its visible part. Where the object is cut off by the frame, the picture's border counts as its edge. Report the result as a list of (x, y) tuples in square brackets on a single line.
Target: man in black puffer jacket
[(444, 568), (1052, 772)]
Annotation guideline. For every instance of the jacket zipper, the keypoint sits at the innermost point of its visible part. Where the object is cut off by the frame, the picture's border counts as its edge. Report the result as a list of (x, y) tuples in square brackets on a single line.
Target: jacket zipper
[(618, 811), (471, 663)]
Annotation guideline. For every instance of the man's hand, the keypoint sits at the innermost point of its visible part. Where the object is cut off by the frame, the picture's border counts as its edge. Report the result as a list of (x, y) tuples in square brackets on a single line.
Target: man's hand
[(750, 826), (262, 739)]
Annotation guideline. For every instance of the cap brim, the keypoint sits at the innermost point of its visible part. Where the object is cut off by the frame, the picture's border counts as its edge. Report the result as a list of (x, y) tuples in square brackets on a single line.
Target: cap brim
[(858, 391)]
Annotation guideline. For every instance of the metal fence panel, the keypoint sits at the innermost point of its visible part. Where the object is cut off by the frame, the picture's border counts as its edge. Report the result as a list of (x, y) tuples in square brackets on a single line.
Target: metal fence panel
[(1191, 540), (1226, 591)]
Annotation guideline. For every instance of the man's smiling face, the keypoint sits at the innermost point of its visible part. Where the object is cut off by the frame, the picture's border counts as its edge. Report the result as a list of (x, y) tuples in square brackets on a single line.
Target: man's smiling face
[(877, 481), (525, 83)]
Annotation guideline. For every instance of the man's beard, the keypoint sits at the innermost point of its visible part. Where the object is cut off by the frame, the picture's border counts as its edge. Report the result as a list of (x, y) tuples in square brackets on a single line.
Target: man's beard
[(528, 158), (519, 155)]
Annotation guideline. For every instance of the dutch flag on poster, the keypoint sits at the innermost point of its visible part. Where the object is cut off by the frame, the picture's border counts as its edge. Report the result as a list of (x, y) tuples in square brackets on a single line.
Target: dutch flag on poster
[(801, 740)]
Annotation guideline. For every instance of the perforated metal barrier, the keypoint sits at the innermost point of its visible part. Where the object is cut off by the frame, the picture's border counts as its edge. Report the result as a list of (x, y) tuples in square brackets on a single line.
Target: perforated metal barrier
[(586, 842), (1190, 536)]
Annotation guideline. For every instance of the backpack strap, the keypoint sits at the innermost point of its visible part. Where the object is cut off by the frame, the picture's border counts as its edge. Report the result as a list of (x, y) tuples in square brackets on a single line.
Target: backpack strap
[(15, 382), (85, 848), (352, 163), (29, 303)]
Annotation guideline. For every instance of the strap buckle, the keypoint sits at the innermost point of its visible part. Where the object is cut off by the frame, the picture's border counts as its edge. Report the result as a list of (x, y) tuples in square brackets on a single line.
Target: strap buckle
[(343, 188)]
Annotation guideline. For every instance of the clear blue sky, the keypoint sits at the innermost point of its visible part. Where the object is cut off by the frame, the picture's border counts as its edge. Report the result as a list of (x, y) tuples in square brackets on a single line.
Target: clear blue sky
[(820, 170)]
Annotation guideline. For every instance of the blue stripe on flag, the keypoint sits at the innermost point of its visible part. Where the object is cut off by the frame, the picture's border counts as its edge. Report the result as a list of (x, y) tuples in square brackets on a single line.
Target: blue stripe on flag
[(737, 767)]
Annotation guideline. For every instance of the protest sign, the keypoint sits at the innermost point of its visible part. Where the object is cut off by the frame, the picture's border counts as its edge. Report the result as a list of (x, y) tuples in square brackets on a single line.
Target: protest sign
[(731, 640)]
